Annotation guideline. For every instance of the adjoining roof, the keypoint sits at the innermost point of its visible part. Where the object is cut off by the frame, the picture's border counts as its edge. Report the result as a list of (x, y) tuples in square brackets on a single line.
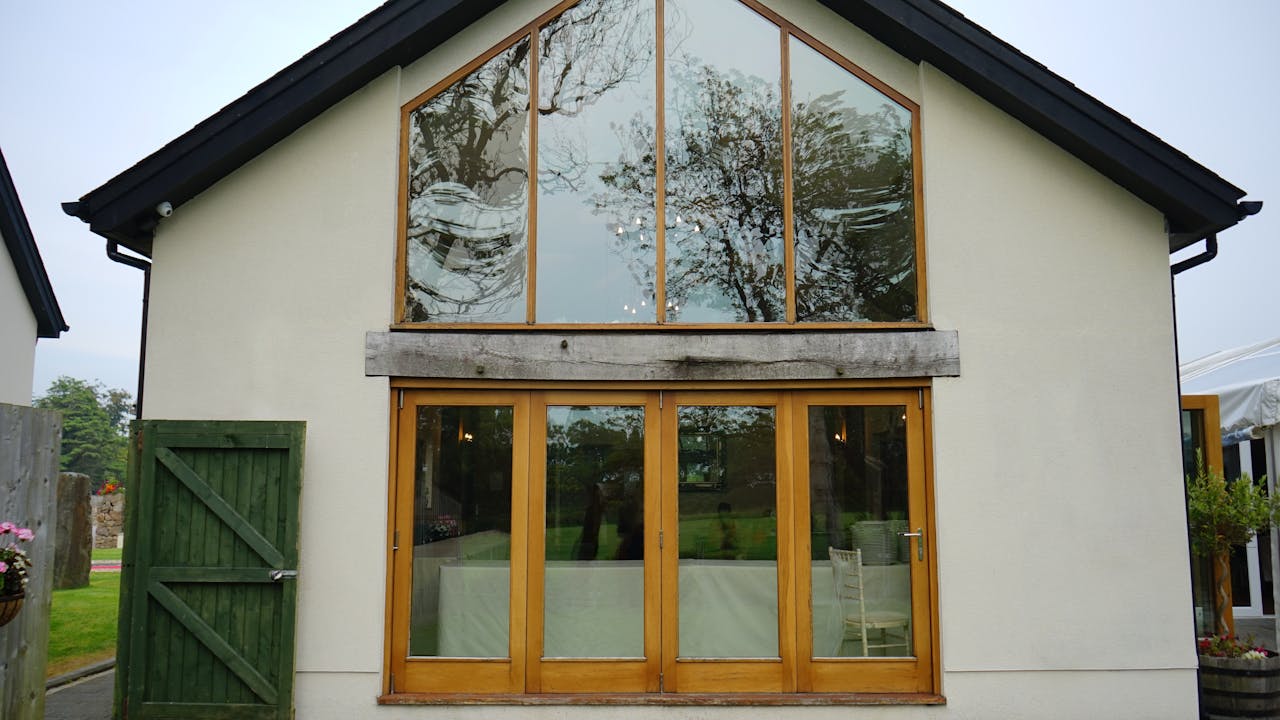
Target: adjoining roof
[(1195, 201), (26, 259)]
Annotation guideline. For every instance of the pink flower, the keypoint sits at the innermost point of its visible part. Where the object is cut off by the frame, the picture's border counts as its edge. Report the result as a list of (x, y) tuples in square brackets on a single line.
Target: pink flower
[(24, 533), (6, 527), (4, 567)]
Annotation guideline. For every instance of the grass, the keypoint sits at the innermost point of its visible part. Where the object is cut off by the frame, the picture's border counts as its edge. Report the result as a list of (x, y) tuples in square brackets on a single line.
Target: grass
[(115, 554), (82, 623)]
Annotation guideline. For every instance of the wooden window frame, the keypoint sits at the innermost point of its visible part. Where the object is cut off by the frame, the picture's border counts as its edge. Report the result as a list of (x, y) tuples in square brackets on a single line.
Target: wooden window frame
[(662, 677), (787, 31)]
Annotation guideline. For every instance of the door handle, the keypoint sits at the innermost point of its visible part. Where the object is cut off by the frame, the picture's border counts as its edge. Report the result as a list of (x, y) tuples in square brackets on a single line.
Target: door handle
[(280, 575), (919, 536)]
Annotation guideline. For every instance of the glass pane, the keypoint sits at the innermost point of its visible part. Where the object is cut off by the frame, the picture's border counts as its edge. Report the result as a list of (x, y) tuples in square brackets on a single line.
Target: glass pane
[(594, 598), (728, 582), (858, 514), (468, 196), (461, 533), (853, 198), (1193, 448), (724, 229), (597, 258)]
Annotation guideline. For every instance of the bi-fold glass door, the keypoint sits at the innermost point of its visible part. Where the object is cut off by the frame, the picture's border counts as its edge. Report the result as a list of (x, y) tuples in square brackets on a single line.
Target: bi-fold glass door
[(724, 486), (863, 553), (593, 543), (644, 541)]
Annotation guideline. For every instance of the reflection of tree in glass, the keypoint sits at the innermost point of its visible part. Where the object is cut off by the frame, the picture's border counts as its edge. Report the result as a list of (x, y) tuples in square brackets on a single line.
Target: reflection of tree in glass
[(854, 215), (853, 192), (596, 67), (591, 49), (468, 193), (468, 182), (595, 472), (723, 192)]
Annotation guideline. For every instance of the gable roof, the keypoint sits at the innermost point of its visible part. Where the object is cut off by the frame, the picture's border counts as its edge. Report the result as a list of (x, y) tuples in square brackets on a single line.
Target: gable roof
[(1195, 201), (26, 259)]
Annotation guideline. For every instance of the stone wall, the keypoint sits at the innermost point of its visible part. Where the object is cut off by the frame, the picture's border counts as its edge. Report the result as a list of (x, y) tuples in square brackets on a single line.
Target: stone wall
[(108, 520)]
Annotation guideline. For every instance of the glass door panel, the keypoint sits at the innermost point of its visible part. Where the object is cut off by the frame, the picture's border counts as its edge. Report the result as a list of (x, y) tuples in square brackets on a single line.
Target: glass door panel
[(461, 533), (728, 532), (864, 553), (593, 543), (858, 520), (593, 597)]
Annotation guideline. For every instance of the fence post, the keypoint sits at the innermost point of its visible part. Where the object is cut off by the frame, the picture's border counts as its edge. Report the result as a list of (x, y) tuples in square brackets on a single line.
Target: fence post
[(30, 442)]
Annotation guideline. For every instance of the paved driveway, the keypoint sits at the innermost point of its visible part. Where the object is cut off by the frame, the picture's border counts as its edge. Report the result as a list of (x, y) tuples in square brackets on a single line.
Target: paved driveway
[(87, 699)]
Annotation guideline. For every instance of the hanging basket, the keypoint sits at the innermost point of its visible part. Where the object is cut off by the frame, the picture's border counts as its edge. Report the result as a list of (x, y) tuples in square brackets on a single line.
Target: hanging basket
[(9, 607)]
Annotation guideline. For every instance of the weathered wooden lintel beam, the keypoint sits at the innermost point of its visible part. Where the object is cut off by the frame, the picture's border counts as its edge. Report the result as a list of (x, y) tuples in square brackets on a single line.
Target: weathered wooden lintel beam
[(665, 356)]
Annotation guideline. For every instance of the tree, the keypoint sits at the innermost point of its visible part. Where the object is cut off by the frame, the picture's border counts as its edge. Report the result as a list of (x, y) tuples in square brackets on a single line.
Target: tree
[(95, 427)]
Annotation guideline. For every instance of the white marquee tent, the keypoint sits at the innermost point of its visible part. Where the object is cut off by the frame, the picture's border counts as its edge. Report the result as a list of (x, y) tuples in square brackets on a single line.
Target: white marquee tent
[(1247, 383)]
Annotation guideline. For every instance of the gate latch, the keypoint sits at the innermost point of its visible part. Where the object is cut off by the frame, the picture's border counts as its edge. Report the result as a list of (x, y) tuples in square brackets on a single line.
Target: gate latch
[(278, 575)]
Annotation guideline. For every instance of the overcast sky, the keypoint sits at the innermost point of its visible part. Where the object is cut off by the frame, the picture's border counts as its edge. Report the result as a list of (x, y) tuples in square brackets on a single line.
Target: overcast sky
[(88, 88)]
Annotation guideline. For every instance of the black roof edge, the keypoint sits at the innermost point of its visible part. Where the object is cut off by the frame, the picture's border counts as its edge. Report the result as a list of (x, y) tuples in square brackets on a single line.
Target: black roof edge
[(1194, 200), (21, 244)]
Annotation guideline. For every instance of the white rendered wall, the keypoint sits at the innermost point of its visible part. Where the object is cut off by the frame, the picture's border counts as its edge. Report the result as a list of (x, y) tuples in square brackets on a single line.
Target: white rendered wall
[(1061, 520), (17, 336), (262, 289), (1061, 530)]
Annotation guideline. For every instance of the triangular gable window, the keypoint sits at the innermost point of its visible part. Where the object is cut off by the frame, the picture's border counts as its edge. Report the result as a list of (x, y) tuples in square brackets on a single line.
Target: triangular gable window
[(664, 177)]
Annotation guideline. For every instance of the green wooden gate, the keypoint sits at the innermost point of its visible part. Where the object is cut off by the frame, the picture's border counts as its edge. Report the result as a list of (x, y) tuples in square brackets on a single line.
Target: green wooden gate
[(211, 551)]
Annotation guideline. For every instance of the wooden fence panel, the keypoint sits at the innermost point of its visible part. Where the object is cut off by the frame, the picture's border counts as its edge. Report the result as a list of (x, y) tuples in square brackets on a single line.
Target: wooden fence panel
[(30, 443)]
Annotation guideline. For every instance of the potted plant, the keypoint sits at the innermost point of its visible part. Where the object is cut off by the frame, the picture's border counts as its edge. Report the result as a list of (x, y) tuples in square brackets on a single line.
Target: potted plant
[(1237, 679), (14, 564), (1221, 515)]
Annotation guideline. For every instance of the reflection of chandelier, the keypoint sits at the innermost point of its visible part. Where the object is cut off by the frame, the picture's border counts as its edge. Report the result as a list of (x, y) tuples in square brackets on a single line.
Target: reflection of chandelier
[(635, 233)]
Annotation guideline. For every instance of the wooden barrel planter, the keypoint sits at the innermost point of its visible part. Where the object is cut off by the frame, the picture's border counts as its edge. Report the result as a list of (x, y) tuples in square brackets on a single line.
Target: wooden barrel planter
[(1239, 688), (9, 607)]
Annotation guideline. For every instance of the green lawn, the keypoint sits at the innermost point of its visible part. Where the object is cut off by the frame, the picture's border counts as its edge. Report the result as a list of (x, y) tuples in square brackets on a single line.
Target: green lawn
[(108, 554), (82, 623)]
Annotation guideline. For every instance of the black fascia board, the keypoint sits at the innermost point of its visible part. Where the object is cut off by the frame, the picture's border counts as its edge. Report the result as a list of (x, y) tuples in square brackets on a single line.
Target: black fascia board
[(21, 244), (397, 33), (1194, 200)]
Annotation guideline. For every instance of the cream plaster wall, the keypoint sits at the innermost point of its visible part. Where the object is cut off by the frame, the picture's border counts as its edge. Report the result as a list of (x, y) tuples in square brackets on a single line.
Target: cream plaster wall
[(17, 336), (1061, 541), (1061, 524), (262, 289)]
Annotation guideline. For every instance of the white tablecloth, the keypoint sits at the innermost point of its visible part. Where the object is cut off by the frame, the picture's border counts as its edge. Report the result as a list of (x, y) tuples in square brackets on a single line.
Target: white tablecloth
[(594, 608)]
